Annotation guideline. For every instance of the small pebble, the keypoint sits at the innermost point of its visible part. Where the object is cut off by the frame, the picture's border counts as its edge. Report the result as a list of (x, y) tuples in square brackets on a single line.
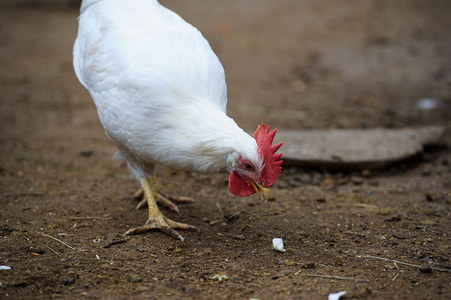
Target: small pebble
[(67, 280), (393, 219), (134, 278), (357, 180), (427, 103), (86, 153), (317, 179), (280, 262), (426, 172), (305, 178), (141, 249), (37, 250), (399, 237), (285, 273), (277, 244), (430, 196), (220, 277), (308, 265), (336, 296), (426, 270)]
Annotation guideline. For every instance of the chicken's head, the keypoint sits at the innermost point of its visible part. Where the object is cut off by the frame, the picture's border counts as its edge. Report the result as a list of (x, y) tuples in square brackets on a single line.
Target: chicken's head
[(248, 177)]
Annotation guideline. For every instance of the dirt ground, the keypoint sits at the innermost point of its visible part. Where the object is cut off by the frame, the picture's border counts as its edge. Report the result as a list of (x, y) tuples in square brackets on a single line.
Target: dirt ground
[(344, 64)]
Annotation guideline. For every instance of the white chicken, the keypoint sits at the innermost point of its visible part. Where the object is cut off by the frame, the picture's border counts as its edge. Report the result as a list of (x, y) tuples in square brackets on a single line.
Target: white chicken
[(161, 96)]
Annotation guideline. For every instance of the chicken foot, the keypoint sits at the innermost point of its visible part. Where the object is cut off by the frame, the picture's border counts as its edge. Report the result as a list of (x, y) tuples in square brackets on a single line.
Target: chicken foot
[(156, 219)]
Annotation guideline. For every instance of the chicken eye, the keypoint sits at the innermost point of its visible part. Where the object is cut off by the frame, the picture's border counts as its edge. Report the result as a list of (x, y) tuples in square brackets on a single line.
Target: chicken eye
[(248, 166)]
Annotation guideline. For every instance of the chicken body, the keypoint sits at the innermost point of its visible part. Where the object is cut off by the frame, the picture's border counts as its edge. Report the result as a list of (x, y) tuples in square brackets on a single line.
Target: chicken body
[(161, 95)]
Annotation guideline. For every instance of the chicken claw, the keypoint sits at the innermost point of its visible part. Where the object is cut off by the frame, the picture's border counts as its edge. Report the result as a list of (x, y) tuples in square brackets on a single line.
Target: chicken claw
[(156, 219), (164, 224)]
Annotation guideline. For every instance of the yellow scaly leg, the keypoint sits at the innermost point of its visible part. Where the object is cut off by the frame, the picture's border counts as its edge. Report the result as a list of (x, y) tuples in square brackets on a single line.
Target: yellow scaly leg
[(161, 199), (156, 219)]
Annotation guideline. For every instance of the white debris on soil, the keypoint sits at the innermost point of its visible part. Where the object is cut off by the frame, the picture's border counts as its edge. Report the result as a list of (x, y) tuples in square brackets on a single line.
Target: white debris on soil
[(427, 104), (220, 277), (5, 268), (277, 244), (336, 296)]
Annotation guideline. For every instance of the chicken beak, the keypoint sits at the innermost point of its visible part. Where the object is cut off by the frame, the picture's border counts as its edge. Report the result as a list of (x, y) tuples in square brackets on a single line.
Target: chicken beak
[(262, 192)]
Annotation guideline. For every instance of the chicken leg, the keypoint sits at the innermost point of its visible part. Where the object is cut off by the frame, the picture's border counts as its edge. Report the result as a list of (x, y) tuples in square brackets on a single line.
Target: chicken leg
[(156, 219), (161, 199)]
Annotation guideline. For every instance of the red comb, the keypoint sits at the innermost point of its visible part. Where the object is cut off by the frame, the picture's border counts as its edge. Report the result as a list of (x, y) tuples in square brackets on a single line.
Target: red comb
[(271, 160)]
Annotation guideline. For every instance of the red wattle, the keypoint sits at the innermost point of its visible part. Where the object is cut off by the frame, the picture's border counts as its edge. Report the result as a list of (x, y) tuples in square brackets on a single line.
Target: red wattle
[(239, 186)]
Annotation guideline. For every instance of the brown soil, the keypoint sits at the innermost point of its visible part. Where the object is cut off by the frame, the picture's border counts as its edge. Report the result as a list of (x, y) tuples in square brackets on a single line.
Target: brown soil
[(346, 64)]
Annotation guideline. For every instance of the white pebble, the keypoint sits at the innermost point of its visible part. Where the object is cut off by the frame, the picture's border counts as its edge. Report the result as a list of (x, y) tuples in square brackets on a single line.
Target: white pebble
[(427, 103), (5, 268), (277, 244), (220, 277), (336, 296)]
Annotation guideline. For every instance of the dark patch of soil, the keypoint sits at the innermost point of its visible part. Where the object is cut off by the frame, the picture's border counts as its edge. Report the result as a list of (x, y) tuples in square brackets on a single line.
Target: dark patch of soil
[(345, 64)]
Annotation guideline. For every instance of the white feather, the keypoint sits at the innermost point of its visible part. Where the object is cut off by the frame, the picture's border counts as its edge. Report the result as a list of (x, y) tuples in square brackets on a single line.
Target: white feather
[(159, 88)]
